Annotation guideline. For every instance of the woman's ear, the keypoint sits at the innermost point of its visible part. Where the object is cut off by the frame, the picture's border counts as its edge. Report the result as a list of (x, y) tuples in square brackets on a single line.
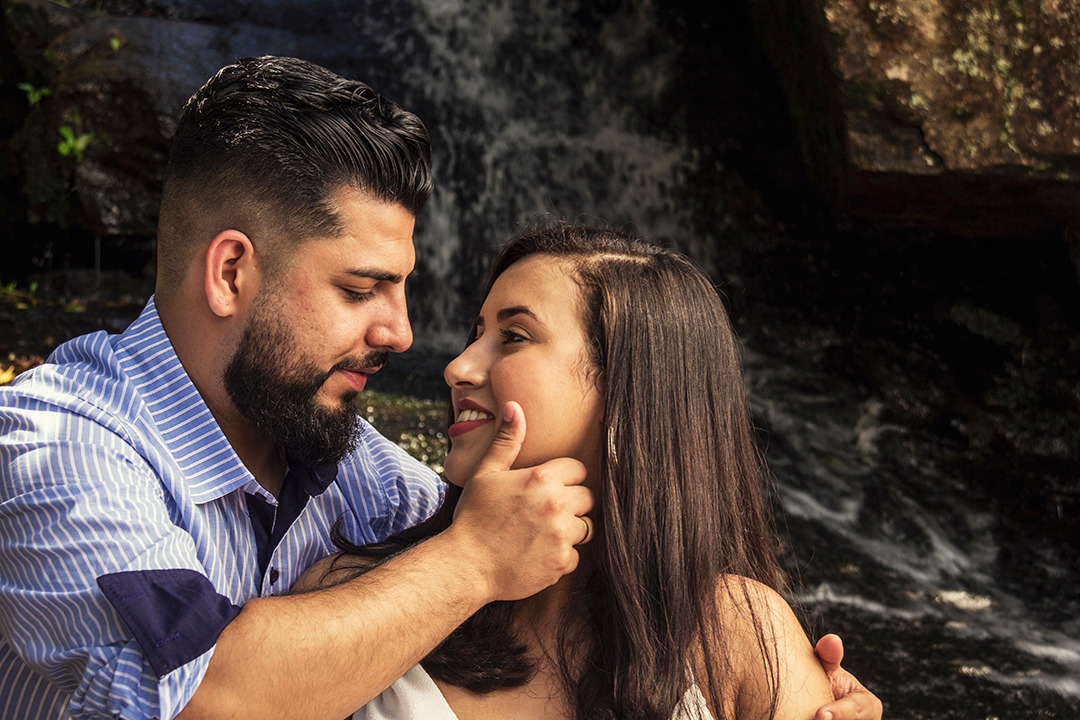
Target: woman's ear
[(231, 274)]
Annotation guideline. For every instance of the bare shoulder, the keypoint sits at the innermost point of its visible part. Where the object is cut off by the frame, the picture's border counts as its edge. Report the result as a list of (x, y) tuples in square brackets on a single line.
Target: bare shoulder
[(770, 646), (734, 591)]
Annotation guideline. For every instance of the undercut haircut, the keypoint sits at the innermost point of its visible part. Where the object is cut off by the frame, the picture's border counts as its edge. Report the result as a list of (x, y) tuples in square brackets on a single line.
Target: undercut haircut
[(265, 146)]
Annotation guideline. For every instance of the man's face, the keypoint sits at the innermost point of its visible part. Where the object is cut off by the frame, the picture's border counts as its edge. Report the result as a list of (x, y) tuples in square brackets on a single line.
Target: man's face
[(321, 326)]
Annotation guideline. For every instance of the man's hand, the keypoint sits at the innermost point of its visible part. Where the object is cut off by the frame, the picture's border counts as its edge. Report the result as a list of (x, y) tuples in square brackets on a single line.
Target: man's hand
[(525, 522), (852, 700)]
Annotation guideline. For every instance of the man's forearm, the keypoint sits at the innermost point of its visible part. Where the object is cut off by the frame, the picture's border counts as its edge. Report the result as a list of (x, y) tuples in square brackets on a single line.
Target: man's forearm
[(323, 654)]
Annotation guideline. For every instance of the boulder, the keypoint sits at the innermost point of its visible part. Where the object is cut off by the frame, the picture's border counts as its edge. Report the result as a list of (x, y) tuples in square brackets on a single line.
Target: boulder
[(960, 116), (92, 153)]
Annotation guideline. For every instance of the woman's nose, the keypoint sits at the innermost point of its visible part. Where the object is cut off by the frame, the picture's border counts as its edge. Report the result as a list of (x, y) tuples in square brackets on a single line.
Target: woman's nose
[(465, 369)]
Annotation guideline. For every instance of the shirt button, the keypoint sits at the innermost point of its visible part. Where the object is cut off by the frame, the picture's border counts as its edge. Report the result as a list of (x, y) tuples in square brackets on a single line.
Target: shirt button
[(273, 575)]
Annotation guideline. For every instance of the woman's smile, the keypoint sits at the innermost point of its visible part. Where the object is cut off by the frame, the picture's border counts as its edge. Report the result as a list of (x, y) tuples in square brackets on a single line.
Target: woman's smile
[(469, 416)]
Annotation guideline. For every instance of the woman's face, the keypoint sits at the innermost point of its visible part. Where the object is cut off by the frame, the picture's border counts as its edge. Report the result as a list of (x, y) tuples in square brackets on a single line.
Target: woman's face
[(530, 348)]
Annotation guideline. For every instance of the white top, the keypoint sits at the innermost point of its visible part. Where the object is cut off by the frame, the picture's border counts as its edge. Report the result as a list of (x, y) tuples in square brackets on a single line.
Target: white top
[(415, 696)]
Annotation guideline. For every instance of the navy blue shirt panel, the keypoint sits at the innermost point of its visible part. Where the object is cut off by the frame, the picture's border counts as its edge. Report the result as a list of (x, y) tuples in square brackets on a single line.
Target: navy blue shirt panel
[(174, 615)]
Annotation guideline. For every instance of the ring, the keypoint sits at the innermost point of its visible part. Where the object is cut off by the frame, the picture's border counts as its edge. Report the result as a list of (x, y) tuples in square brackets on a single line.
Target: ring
[(588, 530)]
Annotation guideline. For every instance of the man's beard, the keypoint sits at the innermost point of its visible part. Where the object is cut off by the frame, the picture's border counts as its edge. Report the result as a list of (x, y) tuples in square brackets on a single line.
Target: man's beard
[(274, 386)]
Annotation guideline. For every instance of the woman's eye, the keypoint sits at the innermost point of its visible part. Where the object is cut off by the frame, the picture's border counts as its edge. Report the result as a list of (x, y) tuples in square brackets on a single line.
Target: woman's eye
[(509, 337)]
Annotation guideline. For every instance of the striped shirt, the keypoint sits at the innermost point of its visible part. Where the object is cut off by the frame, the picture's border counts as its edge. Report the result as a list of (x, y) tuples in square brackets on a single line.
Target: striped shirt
[(126, 528)]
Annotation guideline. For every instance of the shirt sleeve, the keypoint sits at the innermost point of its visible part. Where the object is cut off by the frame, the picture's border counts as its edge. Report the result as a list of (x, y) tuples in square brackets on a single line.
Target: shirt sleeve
[(77, 503)]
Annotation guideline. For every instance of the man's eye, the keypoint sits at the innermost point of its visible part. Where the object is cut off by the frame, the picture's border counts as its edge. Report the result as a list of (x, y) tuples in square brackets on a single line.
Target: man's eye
[(358, 296)]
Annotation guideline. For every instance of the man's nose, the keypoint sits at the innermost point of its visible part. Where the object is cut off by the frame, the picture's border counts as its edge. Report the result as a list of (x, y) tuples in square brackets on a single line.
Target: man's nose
[(392, 330)]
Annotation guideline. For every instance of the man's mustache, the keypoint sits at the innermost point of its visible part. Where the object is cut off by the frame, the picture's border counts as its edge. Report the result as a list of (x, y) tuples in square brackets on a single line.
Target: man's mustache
[(372, 360)]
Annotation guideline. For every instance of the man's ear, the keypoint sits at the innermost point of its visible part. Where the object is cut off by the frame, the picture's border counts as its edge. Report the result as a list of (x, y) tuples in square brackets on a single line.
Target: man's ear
[(232, 273)]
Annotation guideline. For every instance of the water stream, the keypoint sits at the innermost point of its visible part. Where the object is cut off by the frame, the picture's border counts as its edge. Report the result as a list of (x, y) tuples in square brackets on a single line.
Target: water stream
[(897, 553)]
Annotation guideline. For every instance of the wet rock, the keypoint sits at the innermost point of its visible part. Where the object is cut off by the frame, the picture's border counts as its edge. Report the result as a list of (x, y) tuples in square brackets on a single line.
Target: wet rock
[(93, 153)]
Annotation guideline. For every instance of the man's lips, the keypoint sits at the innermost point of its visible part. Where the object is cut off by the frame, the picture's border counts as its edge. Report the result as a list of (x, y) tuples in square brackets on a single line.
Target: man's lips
[(357, 378), (470, 416), (356, 370)]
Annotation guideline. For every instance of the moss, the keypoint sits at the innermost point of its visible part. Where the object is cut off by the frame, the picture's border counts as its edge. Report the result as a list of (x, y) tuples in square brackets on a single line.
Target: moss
[(862, 93), (962, 113)]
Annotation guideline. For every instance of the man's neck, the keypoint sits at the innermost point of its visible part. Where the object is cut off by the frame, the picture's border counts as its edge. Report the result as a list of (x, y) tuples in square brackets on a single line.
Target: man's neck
[(260, 455), (192, 332)]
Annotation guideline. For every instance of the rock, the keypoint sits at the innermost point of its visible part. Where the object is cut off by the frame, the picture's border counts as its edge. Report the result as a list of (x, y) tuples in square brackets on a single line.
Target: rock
[(962, 116), (117, 84)]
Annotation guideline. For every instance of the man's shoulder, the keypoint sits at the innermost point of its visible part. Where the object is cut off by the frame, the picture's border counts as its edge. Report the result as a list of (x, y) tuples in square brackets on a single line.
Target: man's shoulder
[(386, 484), (100, 375), (88, 382), (80, 372)]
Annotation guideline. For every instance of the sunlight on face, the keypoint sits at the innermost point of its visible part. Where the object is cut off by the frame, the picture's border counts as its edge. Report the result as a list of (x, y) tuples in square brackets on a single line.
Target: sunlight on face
[(530, 348)]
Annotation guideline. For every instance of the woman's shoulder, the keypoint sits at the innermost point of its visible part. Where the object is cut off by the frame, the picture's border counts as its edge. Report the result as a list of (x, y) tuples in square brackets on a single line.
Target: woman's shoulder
[(744, 599), (767, 645)]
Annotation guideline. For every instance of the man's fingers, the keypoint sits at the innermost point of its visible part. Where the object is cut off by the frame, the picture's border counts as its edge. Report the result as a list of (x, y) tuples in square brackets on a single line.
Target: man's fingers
[(853, 701), (861, 704), (830, 650), (504, 447)]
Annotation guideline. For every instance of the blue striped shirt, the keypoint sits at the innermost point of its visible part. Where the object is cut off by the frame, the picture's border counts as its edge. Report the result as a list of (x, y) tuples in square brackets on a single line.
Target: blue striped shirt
[(113, 469)]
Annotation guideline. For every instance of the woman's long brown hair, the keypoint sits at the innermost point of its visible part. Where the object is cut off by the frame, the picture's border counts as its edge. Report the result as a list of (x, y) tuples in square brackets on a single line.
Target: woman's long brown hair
[(681, 494)]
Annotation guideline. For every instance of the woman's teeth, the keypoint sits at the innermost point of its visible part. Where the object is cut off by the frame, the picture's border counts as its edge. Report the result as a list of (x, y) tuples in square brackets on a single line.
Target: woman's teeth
[(468, 415)]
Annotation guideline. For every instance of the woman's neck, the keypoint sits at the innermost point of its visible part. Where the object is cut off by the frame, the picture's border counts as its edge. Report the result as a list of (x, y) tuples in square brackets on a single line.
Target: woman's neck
[(540, 620)]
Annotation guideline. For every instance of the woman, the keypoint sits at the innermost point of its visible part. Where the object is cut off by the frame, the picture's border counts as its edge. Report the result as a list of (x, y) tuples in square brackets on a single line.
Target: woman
[(619, 354)]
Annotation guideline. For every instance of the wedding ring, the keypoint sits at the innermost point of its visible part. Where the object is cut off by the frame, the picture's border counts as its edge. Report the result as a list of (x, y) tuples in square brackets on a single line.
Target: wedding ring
[(588, 530)]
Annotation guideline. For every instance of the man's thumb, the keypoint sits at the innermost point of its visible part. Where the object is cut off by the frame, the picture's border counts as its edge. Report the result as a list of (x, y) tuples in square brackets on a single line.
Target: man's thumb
[(506, 444)]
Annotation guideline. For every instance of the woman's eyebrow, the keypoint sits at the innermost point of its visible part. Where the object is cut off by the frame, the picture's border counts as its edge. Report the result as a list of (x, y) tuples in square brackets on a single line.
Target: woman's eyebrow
[(512, 311)]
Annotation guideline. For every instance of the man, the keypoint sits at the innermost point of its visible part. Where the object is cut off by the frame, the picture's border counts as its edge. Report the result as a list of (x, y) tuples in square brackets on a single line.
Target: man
[(161, 489)]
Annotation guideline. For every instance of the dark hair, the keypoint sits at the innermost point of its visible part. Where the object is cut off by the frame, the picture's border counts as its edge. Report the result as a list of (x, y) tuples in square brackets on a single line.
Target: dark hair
[(267, 142), (680, 495)]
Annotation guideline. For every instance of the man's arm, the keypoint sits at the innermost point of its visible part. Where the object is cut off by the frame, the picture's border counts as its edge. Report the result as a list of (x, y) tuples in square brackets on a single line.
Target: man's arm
[(72, 511), (323, 654)]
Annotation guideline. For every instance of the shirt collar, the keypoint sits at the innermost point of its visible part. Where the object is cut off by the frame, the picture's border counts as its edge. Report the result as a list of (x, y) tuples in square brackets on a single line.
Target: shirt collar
[(189, 431)]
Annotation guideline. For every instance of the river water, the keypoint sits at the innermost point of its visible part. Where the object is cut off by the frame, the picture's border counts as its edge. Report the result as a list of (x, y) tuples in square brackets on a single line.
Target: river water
[(901, 557)]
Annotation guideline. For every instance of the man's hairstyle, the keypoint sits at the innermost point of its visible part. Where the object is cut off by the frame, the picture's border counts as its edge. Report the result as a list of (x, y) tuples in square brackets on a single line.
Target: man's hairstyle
[(264, 146)]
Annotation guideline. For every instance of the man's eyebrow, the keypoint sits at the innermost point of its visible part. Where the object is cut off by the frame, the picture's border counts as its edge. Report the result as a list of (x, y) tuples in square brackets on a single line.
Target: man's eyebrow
[(379, 275), (515, 310)]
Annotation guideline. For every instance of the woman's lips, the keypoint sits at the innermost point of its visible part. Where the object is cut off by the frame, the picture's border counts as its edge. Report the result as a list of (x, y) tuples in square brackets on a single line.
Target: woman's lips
[(470, 416)]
